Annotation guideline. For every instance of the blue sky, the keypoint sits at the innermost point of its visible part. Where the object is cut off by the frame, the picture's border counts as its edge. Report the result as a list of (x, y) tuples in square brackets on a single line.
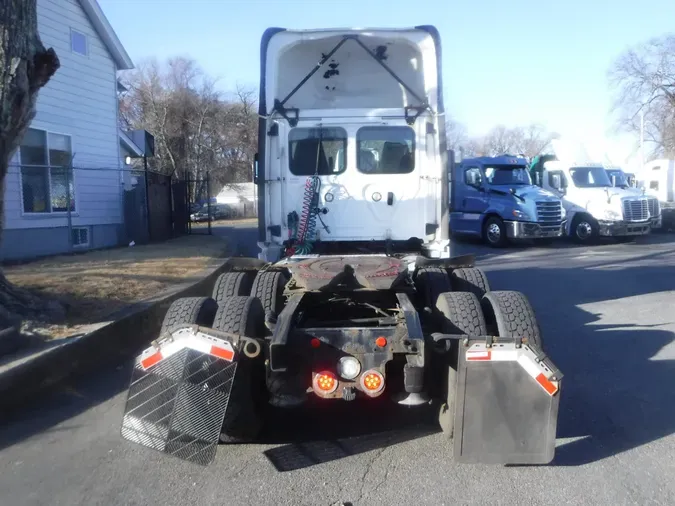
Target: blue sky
[(510, 62)]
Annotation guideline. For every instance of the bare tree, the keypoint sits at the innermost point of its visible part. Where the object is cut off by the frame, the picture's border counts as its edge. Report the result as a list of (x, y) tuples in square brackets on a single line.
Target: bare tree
[(456, 134), (25, 67), (530, 141), (197, 128), (498, 141), (643, 80)]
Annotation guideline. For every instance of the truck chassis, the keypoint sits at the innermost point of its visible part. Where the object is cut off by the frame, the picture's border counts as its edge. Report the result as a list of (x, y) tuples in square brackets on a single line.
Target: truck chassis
[(337, 328)]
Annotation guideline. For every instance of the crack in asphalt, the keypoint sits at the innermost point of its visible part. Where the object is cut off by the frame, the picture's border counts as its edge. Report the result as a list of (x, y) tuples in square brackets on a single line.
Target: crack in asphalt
[(369, 467)]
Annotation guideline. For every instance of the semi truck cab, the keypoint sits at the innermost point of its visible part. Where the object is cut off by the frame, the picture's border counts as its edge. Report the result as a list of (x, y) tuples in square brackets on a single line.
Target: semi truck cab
[(595, 207), (494, 197)]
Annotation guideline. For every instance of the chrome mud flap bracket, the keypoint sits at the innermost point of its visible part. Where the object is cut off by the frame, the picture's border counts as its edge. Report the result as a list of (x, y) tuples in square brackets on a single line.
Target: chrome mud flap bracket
[(507, 401), (179, 394)]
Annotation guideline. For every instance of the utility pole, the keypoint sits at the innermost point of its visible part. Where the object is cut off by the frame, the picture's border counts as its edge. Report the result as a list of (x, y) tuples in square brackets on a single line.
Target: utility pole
[(642, 139)]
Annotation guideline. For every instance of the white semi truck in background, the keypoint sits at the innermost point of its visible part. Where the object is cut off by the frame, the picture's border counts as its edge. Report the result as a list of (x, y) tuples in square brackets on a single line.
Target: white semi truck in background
[(355, 294), (658, 180), (595, 207)]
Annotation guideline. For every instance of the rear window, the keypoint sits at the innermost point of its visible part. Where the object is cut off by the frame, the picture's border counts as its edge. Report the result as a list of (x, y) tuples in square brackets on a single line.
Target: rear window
[(385, 150), (317, 151)]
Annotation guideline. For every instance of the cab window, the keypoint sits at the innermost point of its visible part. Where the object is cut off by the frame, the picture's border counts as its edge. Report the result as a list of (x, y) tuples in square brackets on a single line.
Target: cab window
[(385, 150), (317, 151)]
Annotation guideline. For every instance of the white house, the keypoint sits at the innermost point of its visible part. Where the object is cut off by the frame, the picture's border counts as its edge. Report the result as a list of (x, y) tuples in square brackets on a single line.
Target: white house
[(241, 197), (76, 120)]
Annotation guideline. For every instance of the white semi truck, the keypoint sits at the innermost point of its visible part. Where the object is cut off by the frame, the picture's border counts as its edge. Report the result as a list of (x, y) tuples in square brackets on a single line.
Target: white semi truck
[(355, 294), (595, 207), (658, 180)]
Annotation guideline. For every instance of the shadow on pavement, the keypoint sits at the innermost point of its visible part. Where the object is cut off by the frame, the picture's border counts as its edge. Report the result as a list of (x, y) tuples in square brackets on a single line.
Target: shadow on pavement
[(63, 402), (616, 395), (323, 433)]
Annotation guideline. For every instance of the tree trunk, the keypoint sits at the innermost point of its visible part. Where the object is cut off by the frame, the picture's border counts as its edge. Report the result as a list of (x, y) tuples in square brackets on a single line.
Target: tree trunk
[(25, 67)]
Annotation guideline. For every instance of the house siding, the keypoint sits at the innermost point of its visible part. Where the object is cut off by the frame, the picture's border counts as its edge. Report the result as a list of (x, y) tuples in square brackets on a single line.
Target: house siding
[(80, 100)]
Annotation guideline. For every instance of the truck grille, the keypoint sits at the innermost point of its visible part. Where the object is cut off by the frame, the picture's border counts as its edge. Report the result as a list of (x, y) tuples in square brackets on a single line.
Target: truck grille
[(635, 209), (549, 214), (654, 208)]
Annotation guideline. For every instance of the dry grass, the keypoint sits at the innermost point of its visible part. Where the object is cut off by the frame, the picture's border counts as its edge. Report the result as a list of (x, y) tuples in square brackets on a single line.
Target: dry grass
[(95, 284)]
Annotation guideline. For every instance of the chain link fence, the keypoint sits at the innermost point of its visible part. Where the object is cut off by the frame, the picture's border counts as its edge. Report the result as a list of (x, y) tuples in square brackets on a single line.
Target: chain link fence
[(52, 210)]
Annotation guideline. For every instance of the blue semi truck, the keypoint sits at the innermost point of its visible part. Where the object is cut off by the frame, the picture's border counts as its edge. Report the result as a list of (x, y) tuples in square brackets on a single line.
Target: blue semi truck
[(496, 199)]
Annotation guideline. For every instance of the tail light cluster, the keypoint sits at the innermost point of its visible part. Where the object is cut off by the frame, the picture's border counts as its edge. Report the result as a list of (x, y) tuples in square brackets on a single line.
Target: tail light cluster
[(326, 382)]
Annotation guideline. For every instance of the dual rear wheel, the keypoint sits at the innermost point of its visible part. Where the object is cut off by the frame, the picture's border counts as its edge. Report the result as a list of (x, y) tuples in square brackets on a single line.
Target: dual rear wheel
[(478, 312), (238, 305)]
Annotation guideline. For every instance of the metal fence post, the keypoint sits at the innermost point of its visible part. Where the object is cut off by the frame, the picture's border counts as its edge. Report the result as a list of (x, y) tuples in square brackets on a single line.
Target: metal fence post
[(147, 197), (208, 199), (68, 213)]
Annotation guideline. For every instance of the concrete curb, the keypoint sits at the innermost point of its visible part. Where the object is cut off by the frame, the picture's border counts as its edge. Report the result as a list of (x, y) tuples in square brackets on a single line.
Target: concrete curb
[(132, 329)]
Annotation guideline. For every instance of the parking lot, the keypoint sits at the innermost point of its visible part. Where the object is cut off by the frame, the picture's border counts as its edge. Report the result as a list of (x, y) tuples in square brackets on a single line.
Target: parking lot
[(607, 314)]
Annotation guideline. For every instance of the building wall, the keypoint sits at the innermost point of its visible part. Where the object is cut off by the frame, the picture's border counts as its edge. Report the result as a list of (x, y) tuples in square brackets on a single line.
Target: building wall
[(79, 101)]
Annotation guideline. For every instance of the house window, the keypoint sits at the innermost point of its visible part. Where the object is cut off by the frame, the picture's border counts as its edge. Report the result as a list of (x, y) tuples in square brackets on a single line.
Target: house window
[(78, 42), (46, 173), (80, 236)]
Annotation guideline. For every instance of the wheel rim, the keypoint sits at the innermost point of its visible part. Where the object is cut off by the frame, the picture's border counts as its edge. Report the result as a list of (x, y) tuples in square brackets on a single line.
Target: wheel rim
[(584, 230), (494, 233)]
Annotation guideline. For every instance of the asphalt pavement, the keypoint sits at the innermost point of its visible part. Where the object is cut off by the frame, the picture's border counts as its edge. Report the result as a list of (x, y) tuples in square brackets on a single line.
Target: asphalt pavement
[(607, 313)]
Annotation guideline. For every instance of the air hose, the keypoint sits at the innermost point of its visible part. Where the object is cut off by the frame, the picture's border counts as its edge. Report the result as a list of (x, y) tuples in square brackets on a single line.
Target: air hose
[(307, 226)]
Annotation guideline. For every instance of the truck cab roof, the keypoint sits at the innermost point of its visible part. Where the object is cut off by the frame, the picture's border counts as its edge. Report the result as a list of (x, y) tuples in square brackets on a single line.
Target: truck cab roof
[(495, 160)]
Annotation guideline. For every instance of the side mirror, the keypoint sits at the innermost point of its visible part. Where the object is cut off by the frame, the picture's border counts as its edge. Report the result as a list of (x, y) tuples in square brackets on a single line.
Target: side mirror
[(537, 179), (613, 180), (556, 182), (255, 168), (474, 181)]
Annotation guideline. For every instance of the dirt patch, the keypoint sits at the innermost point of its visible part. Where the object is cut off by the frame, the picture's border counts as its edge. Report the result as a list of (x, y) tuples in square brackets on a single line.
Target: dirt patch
[(96, 284)]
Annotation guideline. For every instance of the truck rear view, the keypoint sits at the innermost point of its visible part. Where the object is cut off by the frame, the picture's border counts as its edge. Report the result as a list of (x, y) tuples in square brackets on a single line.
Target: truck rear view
[(358, 140), (355, 294)]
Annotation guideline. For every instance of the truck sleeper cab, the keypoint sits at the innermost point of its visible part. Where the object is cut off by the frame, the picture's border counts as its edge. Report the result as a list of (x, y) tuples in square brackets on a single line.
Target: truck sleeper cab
[(595, 207), (658, 179), (494, 197)]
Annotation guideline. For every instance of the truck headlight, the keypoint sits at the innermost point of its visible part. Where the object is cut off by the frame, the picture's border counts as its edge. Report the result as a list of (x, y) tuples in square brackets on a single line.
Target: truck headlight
[(521, 214), (563, 213), (611, 214)]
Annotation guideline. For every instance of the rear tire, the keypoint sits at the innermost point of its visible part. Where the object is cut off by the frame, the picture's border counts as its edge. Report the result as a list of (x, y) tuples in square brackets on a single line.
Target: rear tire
[(462, 314), (190, 311), (470, 279), (509, 314), (430, 282), (268, 286), (230, 284), (244, 416)]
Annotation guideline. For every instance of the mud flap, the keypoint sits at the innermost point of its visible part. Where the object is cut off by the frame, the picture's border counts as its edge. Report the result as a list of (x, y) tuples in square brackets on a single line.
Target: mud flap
[(507, 403), (179, 394)]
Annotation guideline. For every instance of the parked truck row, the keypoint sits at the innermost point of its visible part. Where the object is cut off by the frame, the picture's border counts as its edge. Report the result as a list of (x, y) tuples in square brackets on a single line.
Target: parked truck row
[(505, 198)]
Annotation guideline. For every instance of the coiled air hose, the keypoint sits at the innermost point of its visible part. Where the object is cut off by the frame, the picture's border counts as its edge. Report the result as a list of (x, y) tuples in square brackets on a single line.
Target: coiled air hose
[(307, 225)]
